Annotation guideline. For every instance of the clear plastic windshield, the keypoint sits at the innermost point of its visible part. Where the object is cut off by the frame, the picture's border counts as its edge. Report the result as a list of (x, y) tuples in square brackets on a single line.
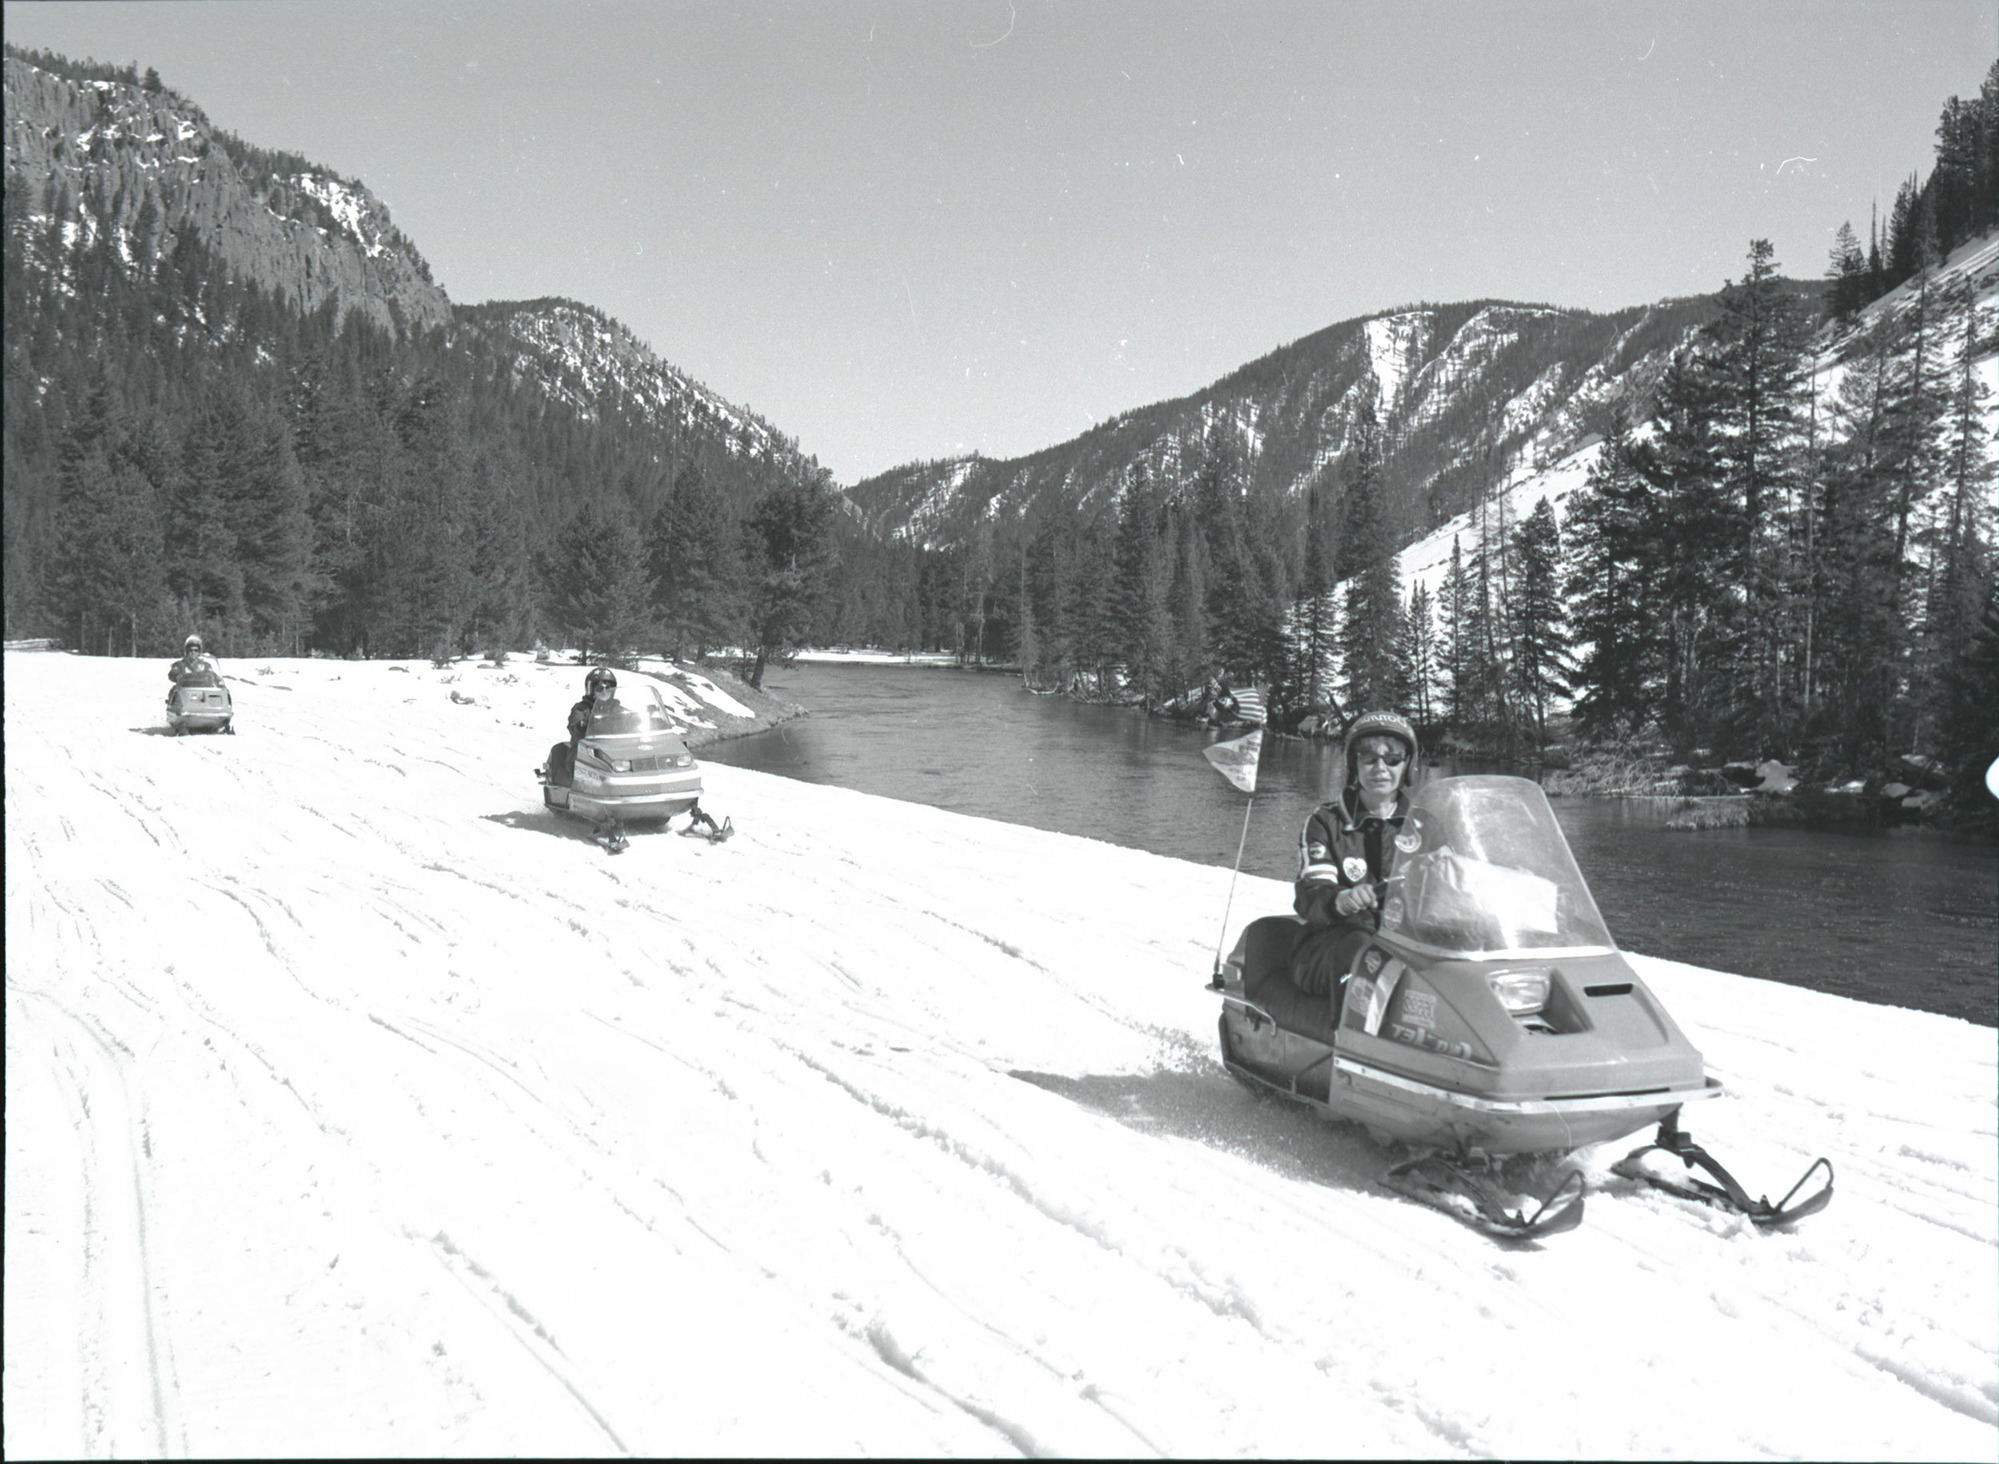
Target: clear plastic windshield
[(635, 707), (1483, 870)]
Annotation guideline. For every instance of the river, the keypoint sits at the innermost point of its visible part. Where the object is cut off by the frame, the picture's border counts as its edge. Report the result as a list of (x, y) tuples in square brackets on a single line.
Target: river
[(1905, 917)]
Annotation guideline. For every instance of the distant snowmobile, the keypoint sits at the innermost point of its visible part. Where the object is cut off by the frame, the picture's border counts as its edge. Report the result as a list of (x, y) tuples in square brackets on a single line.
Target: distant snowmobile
[(1491, 1017), (193, 708), (629, 766)]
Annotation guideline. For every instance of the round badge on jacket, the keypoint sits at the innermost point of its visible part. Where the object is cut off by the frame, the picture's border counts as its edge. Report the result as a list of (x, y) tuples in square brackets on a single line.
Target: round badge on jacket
[(1355, 868), (1408, 843)]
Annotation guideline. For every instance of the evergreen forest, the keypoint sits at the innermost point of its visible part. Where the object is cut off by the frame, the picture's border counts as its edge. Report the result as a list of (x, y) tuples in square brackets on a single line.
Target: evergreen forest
[(1785, 548)]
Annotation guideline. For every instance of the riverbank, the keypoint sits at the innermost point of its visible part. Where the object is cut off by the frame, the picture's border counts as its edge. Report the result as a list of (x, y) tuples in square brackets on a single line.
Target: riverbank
[(711, 704), (328, 1047)]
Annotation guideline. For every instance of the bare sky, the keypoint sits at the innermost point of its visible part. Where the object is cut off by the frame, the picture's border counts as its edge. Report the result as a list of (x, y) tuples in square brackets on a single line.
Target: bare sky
[(909, 230)]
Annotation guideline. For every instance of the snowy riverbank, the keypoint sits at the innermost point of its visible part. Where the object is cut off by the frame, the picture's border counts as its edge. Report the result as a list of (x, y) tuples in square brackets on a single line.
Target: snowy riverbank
[(355, 1104)]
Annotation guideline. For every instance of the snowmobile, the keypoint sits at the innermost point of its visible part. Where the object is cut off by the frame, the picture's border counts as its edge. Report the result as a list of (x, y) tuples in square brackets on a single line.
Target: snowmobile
[(193, 708), (1491, 1025), (629, 766)]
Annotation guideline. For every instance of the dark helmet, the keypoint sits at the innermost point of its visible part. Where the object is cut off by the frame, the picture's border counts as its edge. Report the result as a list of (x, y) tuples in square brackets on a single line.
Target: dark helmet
[(601, 679), (192, 643), (1381, 724)]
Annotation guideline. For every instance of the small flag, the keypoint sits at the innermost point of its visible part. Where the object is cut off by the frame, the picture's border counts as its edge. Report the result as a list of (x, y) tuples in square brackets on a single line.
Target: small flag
[(1249, 706), (1236, 759)]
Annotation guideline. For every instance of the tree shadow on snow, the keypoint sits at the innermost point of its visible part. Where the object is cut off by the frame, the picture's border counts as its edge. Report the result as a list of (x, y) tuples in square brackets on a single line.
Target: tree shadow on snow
[(1209, 1107)]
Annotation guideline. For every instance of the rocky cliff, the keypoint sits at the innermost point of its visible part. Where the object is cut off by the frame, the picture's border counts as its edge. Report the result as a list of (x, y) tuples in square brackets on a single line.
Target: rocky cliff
[(86, 153)]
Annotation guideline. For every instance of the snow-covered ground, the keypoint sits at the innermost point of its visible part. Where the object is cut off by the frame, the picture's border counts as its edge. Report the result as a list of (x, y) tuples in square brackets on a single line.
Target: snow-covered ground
[(357, 1105)]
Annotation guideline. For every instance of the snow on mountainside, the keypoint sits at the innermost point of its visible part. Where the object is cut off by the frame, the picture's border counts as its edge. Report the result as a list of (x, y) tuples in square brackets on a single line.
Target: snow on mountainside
[(356, 1105), (147, 166), (1466, 395), (143, 167), (577, 355), (1428, 559)]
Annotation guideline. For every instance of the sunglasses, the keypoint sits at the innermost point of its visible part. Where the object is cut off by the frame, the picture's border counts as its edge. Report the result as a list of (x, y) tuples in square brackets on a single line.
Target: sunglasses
[(1386, 759)]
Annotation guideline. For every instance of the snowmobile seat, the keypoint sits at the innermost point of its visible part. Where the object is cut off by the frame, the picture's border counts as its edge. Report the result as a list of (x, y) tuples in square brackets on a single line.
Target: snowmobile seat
[(1266, 978)]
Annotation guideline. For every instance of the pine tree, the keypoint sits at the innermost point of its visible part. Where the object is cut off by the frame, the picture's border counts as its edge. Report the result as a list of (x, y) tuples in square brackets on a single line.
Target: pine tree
[(1245, 606), (694, 553), (1846, 275), (1422, 657), (1192, 660), (1455, 648), (600, 592), (1374, 663), (1541, 661), (787, 542), (1613, 595), (1753, 358), (1693, 535), (1314, 627), (1144, 629), (1959, 542)]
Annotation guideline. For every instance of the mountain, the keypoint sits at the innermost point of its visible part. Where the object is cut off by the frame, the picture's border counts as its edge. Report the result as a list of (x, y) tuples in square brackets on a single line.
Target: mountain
[(576, 355), (142, 165), (1468, 396), (98, 155), (1557, 471), (237, 399)]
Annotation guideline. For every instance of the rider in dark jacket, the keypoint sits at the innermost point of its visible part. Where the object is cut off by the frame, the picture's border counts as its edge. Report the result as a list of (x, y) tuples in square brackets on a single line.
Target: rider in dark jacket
[(600, 686), (1348, 850), (194, 668)]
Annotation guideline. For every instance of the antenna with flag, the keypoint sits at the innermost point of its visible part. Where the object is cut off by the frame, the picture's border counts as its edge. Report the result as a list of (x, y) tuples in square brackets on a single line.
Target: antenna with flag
[(1236, 760)]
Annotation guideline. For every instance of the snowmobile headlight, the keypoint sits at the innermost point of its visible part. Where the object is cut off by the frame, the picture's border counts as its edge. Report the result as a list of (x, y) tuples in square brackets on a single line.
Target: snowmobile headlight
[(1523, 993), (619, 764), (684, 760)]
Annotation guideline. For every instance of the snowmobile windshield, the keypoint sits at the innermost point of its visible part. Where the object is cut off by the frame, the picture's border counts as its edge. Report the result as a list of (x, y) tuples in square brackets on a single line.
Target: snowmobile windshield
[(1482, 870), (633, 709)]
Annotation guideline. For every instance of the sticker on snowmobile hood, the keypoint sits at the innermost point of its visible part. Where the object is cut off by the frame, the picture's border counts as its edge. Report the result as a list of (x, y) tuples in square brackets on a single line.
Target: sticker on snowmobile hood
[(1408, 843), (1355, 868)]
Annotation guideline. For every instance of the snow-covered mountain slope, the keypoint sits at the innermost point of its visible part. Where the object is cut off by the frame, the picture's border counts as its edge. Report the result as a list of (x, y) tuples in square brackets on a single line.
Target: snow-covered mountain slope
[(356, 1105), (577, 355), (1546, 471), (1466, 395)]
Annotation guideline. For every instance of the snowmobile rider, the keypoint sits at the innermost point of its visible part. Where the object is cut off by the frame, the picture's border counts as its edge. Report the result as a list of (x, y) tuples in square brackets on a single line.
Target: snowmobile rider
[(194, 668), (1347, 852), (600, 693)]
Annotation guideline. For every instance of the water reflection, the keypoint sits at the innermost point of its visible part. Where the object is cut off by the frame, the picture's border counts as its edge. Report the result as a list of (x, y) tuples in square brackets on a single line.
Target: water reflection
[(1894, 916)]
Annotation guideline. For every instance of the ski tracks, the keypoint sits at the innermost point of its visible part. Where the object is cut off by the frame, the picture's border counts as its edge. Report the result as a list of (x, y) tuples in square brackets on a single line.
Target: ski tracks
[(124, 1377)]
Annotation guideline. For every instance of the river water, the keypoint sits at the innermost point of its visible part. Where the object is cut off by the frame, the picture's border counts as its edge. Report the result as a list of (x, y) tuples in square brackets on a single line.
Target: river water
[(1903, 917)]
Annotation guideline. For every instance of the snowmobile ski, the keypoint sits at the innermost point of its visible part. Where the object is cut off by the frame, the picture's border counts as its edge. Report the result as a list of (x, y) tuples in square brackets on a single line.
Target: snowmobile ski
[(1727, 1192), (1467, 1191), (701, 826)]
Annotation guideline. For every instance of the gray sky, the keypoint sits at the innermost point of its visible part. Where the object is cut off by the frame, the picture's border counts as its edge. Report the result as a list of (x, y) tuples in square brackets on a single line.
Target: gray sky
[(908, 230)]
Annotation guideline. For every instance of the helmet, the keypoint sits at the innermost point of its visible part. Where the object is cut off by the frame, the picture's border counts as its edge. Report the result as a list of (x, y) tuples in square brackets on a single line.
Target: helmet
[(1381, 724), (600, 679), (192, 643)]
